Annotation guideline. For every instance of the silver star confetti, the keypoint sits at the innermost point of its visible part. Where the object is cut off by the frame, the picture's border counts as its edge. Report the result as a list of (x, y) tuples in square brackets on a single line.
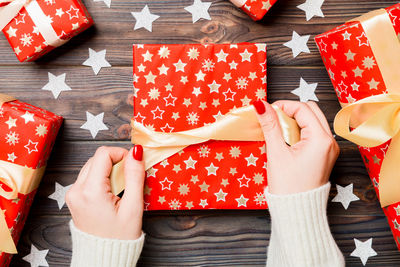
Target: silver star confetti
[(37, 257), (94, 123), (363, 250), (97, 60), (199, 10), (312, 8), (144, 19), (59, 194), (345, 195), (298, 44), (306, 91), (56, 84)]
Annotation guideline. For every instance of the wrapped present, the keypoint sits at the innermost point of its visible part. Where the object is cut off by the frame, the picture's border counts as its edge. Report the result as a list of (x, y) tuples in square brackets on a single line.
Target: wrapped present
[(362, 58), (192, 110), (256, 9), (34, 28), (27, 135)]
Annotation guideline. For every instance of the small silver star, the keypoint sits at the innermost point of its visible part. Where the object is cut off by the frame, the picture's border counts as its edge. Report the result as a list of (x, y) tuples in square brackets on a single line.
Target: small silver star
[(312, 8), (96, 60), (59, 194), (345, 195), (363, 250), (144, 19), (199, 10), (56, 84), (306, 91), (94, 123), (37, 257), (298, 44)]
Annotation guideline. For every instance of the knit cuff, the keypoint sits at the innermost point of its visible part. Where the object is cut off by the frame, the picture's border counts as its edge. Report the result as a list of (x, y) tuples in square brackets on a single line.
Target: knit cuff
[(92, 251), (300, 231)]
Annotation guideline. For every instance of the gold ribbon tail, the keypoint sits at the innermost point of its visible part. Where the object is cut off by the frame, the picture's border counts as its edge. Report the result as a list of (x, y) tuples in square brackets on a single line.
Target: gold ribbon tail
[(240, 124), (6, 242)]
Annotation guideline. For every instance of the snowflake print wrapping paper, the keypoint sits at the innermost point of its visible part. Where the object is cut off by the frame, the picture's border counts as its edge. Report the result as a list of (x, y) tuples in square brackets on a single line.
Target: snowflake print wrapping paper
[(355, 75), (64, 18), (182, 87), (256, 9), (27, 135)]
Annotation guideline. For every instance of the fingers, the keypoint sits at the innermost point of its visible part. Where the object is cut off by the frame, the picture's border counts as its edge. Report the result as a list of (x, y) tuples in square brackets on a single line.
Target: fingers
[(270, 126), (305, 117), (134, 171), (84, 172), (102, 163), (320, 115)]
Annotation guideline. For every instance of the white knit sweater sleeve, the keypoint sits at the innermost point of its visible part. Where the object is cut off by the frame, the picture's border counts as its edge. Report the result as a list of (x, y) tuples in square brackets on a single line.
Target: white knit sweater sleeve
[(300, 234), (92, 251)]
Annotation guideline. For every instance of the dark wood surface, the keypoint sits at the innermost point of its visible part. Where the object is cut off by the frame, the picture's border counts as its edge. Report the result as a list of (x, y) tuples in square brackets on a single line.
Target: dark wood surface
[(209, 238)]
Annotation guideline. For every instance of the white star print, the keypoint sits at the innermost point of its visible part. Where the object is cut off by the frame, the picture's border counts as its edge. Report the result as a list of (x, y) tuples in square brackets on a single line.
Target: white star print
[(96, 60), (220, 195), (298, 44), (190, 163), (94, 123), (11, 157), (28, 117), (71, 12), (56, 84), (163, 186), (242, 201), (59, 194), (11, 32), (37, 257), (251, 160), (31, 146), (179, 66), (363, 250), (246, 55), (244, 181), (11, 122), (144, 19), (221, 56), (214, 87), (345, 195), (212, 170), (199, 10), (203, 202)]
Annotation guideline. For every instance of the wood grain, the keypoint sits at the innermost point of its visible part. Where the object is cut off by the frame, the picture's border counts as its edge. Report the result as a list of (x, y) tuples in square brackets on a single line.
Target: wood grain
[(197, 238)]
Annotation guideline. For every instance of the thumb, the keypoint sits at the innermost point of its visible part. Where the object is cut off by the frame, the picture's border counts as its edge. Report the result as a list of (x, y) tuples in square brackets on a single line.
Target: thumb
[(134, 179), (270, 126)]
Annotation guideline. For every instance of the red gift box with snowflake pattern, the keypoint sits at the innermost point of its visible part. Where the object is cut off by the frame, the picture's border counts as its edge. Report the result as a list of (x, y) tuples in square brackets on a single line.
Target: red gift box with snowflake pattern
[(355, 75), (256, 9), (27, 135), (182, 87), (32, 31)]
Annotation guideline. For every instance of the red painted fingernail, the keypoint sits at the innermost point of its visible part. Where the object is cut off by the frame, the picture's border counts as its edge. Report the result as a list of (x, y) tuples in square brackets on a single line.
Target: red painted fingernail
[(138, 152), (259, 106)]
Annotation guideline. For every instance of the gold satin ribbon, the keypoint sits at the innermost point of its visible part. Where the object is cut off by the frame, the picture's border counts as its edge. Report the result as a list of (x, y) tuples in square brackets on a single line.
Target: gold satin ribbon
[(21, 180), (240, 124), (376, 119)]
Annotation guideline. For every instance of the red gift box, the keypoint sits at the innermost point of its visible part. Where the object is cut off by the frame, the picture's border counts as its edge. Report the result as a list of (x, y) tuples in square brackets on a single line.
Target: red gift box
[(42, 25), (356, 73), (182, 87), (256, 9), (27, 135)]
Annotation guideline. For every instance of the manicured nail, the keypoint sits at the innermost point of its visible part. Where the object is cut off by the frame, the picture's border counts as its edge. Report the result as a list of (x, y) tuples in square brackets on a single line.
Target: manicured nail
[(138, 152), (259, 106)]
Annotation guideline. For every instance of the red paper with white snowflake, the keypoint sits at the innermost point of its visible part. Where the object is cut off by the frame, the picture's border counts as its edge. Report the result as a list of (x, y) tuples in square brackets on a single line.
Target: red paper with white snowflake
[(67, 17), (256, 9), (27, 135), (355, 75), (182, 87)]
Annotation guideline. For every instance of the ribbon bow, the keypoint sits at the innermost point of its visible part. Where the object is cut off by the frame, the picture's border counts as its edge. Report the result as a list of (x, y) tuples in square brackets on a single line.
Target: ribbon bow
[(19, 179), (158, 146)]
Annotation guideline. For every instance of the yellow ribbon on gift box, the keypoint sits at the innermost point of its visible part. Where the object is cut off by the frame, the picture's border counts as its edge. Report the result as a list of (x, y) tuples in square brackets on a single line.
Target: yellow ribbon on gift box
[(11, 9), (240, 124), (376, 119), (21, 180)]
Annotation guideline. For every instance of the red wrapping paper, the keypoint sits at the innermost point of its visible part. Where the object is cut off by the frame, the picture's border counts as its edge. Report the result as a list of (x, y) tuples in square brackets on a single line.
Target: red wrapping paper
[(256, 9), (181, 87), (27, 135), (69, 18), (355, 75)]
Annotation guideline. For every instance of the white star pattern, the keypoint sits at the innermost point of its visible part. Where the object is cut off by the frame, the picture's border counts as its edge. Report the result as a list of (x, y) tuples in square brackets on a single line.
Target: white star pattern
[(59, 194), (363, 250), (345, 195), (298, 44), (56, 84), (144, 19), (199, 10), (94, 123), (96, 60)]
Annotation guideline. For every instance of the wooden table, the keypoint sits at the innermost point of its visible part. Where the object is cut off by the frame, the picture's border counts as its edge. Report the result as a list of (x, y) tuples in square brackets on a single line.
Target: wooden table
[(208, 238)]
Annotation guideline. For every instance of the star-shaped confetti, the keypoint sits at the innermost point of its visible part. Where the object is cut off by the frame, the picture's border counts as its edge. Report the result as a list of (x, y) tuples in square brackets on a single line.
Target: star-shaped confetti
[(345, 195), (97, 60), (306, 91), (59, 194), (312, 8), (144, 19), (37, 257), (94, 123), (199, 10), (56, 84), (298, 44), (363, 250)]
